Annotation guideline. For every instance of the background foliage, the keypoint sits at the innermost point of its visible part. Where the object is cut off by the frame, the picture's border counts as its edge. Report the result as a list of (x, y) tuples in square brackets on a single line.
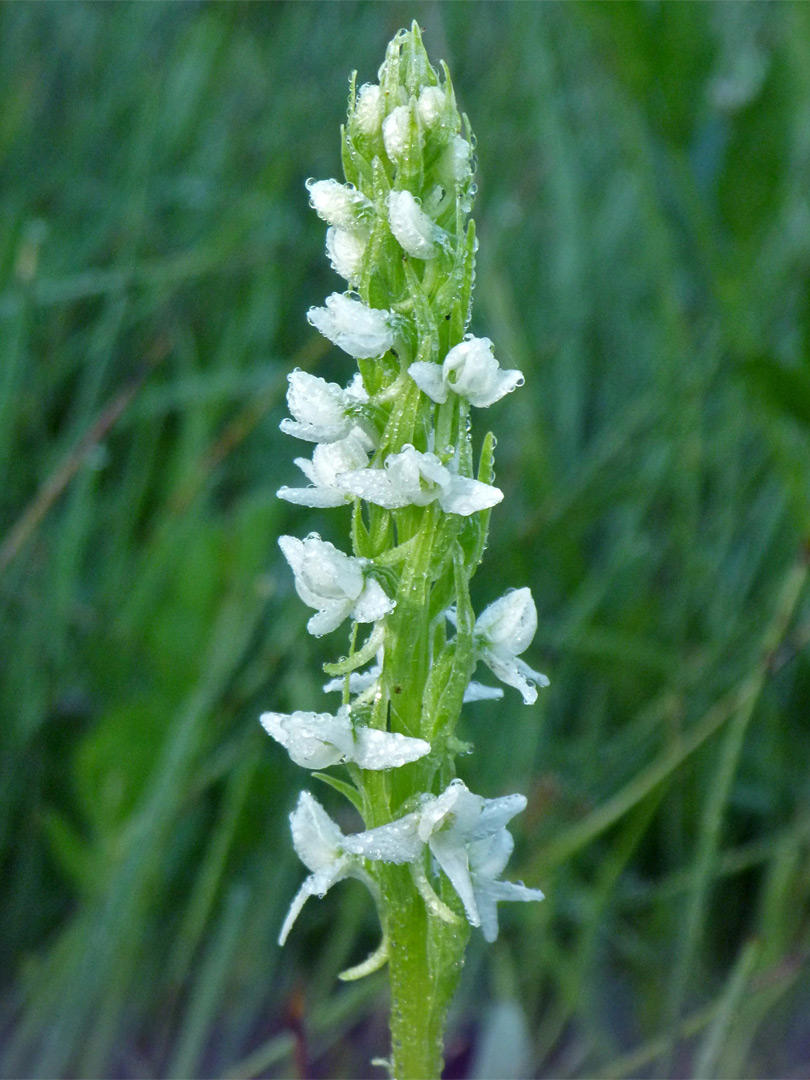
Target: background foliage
[(645, 246)]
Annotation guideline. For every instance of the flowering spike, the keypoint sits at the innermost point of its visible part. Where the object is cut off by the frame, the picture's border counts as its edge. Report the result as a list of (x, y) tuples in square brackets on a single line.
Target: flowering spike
[(395, 447)]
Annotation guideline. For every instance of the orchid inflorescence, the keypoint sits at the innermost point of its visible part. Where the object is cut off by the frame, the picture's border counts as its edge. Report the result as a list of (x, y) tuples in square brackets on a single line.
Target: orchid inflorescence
[(395, 448)]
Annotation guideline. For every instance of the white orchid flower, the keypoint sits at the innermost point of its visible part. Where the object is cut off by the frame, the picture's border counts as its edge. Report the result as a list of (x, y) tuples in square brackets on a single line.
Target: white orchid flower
[(412, 478), (467, 836), (318, 740), (334, 583), (502, 632), (415, 233), (330, 461), (318, 842), (361, 331), (338, 204), (321, 409), (469, 369)]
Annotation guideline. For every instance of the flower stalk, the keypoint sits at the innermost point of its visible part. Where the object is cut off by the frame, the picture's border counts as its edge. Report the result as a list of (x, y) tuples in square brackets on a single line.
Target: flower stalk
[(394, 452)]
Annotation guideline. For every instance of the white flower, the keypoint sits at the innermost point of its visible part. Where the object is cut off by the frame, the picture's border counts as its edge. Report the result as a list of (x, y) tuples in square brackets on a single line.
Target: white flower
[(431, 105), (467, 837), (413, 229), (329, 462), (333, 583), (321, 408), (346, 248), (502, 632), (369, 109), (338, 204), (361, 331), (469, 369), (412, 478), (396, 131), (318, 842), (318, 740)]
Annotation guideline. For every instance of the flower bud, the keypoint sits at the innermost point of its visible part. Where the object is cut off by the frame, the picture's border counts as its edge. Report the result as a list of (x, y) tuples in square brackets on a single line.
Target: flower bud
[(361, 331), (338, 204), (369, 110), (396, 131), (431, 105), (413, 229), (346, 248)]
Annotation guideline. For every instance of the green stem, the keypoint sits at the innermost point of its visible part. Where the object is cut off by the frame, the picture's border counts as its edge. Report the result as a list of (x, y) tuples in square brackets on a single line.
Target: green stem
[(425, 956)]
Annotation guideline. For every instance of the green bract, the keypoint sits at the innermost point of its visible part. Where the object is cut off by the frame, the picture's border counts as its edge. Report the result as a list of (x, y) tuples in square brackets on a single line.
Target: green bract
[(394, 449)]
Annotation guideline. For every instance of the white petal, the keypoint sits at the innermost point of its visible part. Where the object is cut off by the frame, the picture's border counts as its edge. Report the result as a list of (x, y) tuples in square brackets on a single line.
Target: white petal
[(375, 486), (361, 331), (316, 838), (329, 572), (313, 740), (489, 856), (431, 105), (506, 669), (495, 814), (455, 164), (329, 617), (451, 854), (412, 228), (488, 894), (395, 843), (294, 911), (386, 749), (478, 692), (373, 603), (465, 496), (312, 496), (509, 624), (428, 377)]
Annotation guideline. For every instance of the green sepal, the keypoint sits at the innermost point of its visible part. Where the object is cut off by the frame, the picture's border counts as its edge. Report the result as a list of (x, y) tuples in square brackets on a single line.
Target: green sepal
[(403, 419), (361, 541), (372, 963), (411, 167), (451, 695), (347, 790), (356, 168), (381, 531)]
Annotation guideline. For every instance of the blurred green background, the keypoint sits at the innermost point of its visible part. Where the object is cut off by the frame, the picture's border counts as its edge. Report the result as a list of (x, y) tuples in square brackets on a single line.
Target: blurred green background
[(643, 211)]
